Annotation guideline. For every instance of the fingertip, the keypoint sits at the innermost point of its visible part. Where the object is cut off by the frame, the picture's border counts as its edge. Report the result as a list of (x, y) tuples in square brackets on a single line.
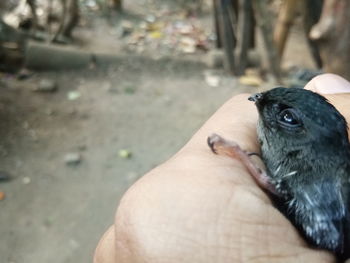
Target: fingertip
[(329, 84)]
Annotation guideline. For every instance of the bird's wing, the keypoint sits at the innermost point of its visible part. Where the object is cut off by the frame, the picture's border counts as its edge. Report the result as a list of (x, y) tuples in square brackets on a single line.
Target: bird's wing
[(319, 210)]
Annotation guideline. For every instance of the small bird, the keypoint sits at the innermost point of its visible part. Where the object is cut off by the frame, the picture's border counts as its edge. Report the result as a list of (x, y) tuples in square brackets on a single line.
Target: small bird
[(305, 147)]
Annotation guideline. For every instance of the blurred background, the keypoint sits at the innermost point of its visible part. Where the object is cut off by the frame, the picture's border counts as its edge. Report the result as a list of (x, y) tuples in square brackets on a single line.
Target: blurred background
[(95, 93)]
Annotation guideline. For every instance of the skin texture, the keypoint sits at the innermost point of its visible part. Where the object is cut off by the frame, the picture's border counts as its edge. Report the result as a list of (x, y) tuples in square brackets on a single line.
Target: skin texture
[(201, 207)]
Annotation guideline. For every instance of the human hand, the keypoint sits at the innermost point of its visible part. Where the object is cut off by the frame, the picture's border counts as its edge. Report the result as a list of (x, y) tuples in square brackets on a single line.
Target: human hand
[(201, 207)]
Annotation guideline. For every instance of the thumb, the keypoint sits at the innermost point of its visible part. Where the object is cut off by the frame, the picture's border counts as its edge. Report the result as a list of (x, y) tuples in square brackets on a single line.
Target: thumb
[(328, 84)]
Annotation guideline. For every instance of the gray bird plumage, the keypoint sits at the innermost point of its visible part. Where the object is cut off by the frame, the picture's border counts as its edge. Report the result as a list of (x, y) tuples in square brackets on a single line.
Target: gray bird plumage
[(304, 144)]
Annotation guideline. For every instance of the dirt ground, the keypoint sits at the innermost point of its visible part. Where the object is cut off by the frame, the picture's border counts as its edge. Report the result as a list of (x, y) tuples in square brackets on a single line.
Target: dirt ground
[(54, 212)]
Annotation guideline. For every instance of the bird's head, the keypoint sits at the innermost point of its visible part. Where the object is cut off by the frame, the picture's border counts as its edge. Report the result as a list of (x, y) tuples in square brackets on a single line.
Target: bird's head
[(292, 116)]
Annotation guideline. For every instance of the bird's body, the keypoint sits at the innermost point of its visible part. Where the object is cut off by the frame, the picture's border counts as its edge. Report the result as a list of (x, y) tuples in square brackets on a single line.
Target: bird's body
[(305, 147)]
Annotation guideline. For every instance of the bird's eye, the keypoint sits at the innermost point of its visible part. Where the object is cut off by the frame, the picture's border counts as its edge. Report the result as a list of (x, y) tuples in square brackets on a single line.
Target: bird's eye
[(289, 118)]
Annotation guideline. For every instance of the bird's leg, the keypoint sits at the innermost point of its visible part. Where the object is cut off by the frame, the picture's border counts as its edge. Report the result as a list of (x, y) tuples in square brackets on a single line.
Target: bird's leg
[(231, 149)]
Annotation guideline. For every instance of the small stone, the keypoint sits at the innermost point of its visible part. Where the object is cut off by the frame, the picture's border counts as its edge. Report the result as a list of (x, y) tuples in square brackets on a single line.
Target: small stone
[(187, 45), (72, 158), (212, 80), (46, 85), (2, 196), (150, 18), (73, 95), (26, 180)]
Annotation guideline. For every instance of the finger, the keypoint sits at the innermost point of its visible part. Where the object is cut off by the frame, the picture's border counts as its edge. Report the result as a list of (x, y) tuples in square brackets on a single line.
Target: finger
[(105, 251), (335, 88), (329, 84)]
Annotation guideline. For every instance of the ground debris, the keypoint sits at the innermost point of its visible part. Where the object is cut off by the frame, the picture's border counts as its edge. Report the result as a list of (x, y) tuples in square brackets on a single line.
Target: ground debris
[(26, 180), (2, 196), (72, 158), (251, 78), (250, 81), (73, 95), (124, 153), (172, 32), (211, 79), (46, 85)]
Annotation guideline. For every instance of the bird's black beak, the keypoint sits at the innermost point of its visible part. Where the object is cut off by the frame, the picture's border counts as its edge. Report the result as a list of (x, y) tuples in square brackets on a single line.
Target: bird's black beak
[(255, 97)]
